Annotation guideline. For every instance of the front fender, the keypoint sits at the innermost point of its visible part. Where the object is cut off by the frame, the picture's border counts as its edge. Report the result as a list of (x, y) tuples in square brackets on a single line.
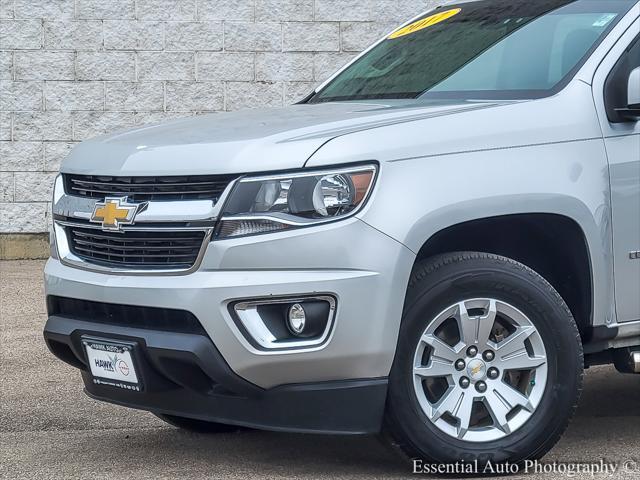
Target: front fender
[(415, 199)]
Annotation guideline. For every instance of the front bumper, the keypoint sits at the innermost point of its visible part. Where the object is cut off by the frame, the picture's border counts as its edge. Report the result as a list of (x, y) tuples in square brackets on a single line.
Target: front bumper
[(185, 375), (363, 269)]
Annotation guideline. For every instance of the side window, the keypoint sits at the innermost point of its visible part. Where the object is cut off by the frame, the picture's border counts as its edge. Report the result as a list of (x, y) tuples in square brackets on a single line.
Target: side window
[(615, 88)]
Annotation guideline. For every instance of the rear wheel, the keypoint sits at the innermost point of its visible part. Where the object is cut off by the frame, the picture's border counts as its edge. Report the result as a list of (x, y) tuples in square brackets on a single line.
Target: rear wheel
[(198, 426), (488, 365)]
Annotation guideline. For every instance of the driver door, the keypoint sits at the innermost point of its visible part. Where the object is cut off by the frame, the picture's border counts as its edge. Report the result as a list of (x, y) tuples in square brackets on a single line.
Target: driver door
[(622, 141)]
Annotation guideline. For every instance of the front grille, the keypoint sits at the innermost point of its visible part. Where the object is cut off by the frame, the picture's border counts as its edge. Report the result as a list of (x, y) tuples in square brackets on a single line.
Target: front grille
[(150, 318), (143, 189), (136, 249)]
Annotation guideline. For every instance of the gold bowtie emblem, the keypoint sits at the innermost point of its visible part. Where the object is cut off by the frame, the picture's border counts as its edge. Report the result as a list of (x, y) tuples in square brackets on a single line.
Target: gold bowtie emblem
[(475, 370), (114, 212)]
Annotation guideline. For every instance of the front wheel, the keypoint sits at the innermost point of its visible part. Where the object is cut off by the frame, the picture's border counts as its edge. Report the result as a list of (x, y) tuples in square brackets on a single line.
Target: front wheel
[(489, 363)]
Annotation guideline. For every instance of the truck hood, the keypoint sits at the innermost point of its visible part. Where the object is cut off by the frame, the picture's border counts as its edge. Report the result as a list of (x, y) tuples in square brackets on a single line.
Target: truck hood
[(246, 141)]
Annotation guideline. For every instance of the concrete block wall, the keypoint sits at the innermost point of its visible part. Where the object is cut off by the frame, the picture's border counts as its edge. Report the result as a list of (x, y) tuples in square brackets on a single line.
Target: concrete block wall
[(73, 69)]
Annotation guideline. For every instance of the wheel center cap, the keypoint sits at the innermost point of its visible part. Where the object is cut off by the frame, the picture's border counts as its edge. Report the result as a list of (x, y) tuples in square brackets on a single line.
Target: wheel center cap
[(477, 370)]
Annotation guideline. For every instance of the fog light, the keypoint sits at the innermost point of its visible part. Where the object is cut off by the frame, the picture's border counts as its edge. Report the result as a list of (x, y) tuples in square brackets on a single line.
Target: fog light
[(297, 319), (285, 323)]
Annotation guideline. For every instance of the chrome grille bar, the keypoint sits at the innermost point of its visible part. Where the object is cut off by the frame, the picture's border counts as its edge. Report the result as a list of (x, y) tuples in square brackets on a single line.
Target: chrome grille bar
[(171, 249), (138, 189)]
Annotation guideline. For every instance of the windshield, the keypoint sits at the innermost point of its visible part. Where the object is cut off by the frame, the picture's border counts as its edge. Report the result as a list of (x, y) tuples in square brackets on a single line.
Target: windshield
[(481, 50)]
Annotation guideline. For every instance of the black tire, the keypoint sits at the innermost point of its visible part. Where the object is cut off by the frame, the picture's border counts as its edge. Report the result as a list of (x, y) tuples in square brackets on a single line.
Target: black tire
[(444, 280), (197, 426)]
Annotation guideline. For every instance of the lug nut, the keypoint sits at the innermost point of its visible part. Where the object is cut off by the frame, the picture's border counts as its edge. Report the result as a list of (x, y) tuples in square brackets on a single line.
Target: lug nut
[(489, 355), (465, 382), (493, 373), (481, 387), (472, 351), (460, 365)]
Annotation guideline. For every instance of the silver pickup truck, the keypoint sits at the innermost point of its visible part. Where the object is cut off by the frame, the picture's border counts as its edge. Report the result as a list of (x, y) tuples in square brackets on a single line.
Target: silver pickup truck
[(433, 244)]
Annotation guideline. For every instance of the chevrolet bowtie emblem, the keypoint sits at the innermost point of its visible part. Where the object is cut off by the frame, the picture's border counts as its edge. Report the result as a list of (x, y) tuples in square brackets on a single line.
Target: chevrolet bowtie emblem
[(115, 212)]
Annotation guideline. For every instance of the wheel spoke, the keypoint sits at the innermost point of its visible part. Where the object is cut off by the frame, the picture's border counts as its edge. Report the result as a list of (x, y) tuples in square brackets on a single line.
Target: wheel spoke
[(485, 324), (475, 330), (514, 342), (522, 361), (463, 414), (436, 368), (441, 350), (467, 326), (512, 397), (450, 402), (498, 411)]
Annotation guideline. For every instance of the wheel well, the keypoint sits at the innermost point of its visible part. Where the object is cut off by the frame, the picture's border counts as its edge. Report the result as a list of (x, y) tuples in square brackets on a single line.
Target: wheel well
[(552, 245)]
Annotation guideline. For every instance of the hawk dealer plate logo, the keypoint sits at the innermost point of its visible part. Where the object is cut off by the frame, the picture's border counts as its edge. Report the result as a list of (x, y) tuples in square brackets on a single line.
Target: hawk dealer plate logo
[(115, 212), (111, 364)]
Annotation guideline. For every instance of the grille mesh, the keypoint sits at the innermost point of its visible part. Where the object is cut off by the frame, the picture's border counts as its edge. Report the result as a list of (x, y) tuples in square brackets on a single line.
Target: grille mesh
[(135, 249), (142, 189), (151, 318)]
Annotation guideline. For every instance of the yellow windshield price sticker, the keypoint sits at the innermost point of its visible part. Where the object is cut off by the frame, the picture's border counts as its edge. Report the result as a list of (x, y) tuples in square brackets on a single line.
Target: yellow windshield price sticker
[(425, 23)]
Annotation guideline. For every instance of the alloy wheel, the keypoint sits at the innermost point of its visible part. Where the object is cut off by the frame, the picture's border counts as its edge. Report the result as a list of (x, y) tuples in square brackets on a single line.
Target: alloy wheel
[(480, 370)]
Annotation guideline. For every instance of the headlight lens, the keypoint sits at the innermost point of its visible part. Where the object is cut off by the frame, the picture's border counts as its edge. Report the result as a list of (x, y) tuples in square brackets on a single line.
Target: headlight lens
[(273, 203)]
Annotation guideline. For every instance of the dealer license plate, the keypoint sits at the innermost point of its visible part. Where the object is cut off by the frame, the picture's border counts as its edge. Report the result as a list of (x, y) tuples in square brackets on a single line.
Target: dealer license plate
[(112, 363)]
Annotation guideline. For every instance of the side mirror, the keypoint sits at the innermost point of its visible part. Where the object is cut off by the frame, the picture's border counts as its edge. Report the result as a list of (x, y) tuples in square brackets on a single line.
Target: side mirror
[(632, 110)]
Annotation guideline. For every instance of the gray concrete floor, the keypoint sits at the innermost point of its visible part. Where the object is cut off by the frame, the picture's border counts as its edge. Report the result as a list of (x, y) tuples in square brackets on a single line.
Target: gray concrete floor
[(50, 429)]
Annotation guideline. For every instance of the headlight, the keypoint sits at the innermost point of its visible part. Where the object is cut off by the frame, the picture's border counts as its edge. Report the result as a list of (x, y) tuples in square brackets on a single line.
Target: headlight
[(273, 203)]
